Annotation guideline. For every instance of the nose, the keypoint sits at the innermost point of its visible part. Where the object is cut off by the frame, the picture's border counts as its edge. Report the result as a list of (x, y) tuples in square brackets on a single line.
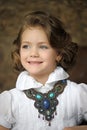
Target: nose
[(34, 52)]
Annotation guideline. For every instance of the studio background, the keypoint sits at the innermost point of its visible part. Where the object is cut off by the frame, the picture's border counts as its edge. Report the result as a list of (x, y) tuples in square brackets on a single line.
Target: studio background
[(72, 12)]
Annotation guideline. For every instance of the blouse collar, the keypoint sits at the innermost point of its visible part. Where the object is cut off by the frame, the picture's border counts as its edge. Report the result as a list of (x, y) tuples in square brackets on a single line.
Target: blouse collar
[(25, 81)]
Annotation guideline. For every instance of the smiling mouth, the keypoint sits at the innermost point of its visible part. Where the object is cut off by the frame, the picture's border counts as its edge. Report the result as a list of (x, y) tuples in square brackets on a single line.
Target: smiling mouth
[(35, 62)]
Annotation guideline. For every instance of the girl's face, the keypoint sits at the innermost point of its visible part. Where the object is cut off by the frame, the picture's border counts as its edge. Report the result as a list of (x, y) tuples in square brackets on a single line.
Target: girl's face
[(36, 54)]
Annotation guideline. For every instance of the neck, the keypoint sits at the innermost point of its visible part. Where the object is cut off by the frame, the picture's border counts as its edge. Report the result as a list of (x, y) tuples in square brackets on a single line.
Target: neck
[(41, 79)]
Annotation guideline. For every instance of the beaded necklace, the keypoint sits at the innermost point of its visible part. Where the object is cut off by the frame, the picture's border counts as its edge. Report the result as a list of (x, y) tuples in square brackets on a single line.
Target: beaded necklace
[(46, 103)]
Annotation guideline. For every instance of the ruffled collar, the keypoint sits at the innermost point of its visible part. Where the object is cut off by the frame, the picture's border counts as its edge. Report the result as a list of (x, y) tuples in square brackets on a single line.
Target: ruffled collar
[(25, 81)]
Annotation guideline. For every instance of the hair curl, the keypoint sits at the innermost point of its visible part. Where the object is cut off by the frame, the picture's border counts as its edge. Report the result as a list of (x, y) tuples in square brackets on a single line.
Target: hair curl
[(58, 38)]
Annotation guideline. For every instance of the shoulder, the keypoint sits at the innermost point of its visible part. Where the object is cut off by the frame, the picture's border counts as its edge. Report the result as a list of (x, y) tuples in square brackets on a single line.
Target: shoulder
[(5, 100), (8, 98), (76, 86), (5, 94), (76, 89)]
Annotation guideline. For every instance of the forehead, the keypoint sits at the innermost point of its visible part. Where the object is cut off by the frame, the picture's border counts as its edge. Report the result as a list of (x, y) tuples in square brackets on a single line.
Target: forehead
[(37, 33)]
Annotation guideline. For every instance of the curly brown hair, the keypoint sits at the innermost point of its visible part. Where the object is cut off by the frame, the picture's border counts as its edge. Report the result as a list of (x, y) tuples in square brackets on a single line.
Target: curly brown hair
[(58, 38)]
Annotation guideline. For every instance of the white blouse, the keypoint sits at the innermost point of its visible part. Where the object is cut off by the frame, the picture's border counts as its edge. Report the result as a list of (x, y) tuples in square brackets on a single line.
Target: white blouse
[(17, 112)]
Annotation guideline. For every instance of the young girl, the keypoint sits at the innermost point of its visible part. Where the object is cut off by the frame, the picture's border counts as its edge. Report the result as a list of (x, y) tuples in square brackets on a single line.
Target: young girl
[(44, 97)]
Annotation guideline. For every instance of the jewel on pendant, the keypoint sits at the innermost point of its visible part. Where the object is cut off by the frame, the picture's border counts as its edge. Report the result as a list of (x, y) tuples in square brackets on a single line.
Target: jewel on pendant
[(48, 117), (48, 112), (53, 108), (55, 102), (41, 110), (38, 115), (64, 81), (38, 96), (37, 105), (49, 123), (51, 95), (46, 104)]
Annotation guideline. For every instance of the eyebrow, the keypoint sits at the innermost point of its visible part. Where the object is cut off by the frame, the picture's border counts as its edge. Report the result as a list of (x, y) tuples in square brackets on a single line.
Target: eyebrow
[(25, 42), (31, 43)]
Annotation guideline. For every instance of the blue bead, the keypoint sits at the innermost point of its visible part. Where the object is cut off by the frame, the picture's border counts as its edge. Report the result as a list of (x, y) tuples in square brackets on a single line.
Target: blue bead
[(46, 104), (38, 96), (51, 95), (64, 81)]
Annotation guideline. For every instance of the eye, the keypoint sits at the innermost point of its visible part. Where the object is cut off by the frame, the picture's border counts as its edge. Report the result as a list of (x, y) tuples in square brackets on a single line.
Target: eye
[(25, 46), (43, 47)]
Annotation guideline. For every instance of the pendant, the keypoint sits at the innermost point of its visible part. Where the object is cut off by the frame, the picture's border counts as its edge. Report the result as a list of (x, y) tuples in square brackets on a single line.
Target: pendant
[(46, 103)]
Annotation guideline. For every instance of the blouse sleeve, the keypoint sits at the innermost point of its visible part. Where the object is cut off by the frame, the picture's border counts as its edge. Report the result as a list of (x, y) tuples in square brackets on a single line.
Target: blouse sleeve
[(6, 118), (83, 99)]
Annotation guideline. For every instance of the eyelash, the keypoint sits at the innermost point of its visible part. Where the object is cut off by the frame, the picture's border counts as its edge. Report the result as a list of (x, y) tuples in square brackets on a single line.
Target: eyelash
[(43, 47), (25, 46)]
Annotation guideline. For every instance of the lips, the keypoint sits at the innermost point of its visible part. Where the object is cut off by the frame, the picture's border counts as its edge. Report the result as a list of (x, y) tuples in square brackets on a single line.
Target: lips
[(35, 62)]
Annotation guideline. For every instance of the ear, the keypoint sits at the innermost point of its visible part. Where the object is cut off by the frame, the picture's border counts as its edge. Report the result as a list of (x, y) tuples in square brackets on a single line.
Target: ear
[(59, 57)]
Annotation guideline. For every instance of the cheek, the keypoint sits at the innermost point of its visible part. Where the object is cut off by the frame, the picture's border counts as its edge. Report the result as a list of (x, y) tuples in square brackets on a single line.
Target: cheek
[(52, 55), (50, 58), (22, 58), (22, 54), (53, 58)]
